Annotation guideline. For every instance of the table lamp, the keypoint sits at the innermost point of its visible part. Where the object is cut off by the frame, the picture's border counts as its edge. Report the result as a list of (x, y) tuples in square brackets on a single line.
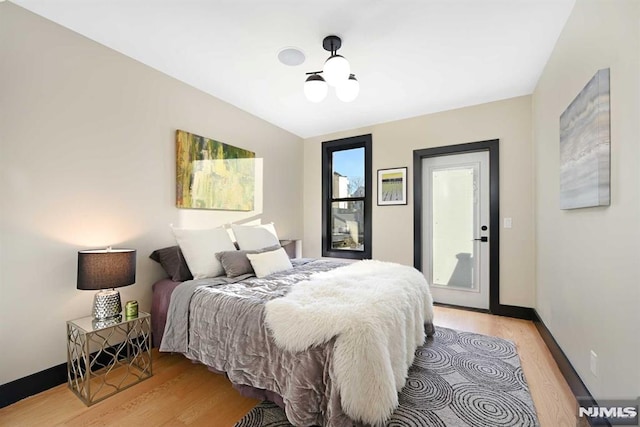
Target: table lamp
[(104, 270)]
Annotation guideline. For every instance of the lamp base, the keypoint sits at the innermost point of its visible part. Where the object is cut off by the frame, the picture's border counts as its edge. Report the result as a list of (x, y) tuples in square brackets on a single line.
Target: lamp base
[(106, 304), (105, 323)]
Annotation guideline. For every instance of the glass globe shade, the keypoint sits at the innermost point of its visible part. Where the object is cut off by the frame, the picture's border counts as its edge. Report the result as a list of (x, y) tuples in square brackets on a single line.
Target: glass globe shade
[(336, 70), (348, 91), (315, 88)]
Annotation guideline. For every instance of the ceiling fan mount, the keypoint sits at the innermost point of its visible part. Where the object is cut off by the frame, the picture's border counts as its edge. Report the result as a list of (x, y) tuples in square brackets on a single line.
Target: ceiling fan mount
[(331, 43)]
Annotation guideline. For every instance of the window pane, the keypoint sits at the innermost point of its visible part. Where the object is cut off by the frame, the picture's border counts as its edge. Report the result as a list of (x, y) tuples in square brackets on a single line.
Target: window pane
[(346, 192), (454, 207), (347, 226), (348, 173)]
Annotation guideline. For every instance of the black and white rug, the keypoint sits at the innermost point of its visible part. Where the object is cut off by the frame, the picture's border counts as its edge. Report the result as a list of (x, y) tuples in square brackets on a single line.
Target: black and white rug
[(457, 379)]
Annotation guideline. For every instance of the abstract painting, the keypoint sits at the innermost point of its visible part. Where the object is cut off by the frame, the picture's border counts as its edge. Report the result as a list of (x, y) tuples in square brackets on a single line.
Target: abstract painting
[(585, 146), (392, 186), (213, 175)]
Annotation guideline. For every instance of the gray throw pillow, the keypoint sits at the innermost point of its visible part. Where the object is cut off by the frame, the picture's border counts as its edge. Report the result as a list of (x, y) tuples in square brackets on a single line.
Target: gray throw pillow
[(173, 263), (236, 263)]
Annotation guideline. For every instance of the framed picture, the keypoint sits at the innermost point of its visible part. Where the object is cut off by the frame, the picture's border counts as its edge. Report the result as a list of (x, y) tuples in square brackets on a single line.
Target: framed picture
[(213, 175), (392, 186), (585, 144)]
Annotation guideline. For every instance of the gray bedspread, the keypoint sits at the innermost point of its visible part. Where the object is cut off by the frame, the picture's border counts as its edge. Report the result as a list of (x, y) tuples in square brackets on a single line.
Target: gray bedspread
[(175, 337), (221, 325)]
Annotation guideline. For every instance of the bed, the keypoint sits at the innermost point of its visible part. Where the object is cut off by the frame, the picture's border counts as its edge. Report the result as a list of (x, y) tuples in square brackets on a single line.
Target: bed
[(228, 325)]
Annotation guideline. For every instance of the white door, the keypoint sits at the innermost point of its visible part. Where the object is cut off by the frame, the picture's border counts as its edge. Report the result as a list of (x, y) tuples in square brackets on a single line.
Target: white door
[(456, 228)]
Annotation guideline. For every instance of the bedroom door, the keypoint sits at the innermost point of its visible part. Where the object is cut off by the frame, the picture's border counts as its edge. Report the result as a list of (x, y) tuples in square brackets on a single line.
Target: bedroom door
[(455, 231)]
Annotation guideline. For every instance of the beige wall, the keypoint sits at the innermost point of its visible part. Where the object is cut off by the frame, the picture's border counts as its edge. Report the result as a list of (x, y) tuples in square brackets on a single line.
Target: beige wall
[(87, 140), (87, 159), (588, 280), (393, 145)]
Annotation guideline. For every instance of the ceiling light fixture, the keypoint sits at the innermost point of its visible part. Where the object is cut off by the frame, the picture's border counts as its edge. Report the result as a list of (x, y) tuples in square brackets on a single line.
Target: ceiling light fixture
[(336, 72)]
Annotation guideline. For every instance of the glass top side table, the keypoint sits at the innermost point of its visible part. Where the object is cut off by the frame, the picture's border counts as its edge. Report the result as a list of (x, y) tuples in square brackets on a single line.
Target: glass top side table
[(107, 356)]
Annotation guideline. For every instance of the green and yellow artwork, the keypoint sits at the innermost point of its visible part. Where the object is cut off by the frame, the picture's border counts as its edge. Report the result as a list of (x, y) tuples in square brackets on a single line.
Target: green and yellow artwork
[(213, 175), (392, 186)]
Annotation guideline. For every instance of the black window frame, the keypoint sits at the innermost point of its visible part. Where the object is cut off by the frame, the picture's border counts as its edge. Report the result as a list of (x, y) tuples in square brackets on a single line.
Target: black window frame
[(328, 148)]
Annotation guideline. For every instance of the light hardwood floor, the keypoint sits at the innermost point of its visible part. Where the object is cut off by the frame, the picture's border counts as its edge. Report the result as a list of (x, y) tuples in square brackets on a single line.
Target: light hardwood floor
[(184, 394)]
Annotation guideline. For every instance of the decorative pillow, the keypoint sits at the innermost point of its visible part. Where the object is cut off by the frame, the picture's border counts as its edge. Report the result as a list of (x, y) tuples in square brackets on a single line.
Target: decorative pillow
[(199, 248), (270, 262), (172, 261), (236, 263), (251, 237)]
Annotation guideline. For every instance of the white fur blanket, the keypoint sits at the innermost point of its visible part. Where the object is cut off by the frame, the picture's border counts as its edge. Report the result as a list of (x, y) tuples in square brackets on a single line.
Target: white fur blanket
[(377, 311)]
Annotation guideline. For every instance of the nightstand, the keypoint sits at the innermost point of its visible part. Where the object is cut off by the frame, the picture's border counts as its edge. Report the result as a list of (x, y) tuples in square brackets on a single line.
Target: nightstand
[(107, 356), (293, 248)]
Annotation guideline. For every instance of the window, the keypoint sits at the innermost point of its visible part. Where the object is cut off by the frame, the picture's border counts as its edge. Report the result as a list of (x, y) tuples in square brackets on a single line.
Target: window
[(346, 198)]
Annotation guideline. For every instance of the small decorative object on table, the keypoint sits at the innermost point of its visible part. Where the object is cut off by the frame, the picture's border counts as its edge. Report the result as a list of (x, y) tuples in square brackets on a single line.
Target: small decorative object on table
[(131, 309)]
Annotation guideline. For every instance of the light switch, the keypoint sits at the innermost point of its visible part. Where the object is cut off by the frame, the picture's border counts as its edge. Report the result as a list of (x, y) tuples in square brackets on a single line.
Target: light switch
[(507, 223)]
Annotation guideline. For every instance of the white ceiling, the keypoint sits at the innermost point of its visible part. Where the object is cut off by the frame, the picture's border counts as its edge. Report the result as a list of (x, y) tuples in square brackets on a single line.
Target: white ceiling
[(412, 57)]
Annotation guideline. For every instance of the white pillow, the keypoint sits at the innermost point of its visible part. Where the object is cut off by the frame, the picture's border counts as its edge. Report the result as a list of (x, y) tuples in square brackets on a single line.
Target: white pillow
[(252, 237), (199, 248), (270, 262)]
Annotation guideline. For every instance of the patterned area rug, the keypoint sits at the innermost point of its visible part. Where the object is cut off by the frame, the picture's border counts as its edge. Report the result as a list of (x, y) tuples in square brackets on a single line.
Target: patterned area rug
[(457, 379)]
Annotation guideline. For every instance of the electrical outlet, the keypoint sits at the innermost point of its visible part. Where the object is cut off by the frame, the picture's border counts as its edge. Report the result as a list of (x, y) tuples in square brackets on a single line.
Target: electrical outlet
[(593, 364), (507, 223)]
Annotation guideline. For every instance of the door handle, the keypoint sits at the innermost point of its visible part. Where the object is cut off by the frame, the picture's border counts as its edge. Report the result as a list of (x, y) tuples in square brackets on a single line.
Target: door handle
[(483, 239)]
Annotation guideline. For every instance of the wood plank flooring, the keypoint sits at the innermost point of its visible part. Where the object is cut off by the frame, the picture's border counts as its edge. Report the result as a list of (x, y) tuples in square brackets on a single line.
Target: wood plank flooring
[(184, 394)]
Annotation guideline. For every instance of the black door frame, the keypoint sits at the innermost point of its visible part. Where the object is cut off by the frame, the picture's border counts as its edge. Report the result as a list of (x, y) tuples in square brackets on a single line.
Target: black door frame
[(492, 147)]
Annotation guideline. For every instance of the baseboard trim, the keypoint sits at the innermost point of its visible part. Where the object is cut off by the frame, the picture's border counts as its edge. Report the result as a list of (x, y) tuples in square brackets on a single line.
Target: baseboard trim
[(499, 310), (32, 384), (566, 368), (22, 388), (575, 383), (461, 307), (518, 312)]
